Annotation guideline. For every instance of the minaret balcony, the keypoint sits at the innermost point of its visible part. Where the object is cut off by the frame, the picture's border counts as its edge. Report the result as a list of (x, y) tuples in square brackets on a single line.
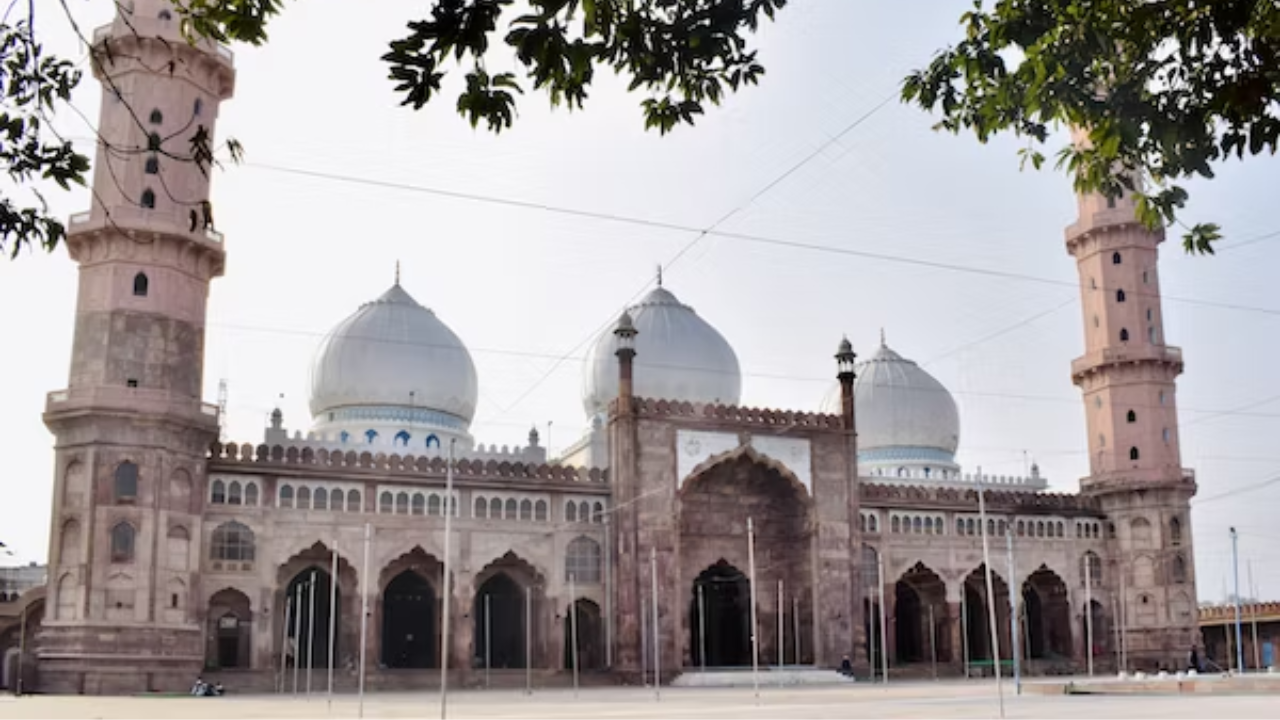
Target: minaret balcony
[(155, 27), (1138, 352), (1139, 479), (130, 401), (1101, 220)]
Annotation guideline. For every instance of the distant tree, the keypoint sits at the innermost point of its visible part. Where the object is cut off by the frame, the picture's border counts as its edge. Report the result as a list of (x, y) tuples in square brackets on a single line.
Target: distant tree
[(1164, 88)]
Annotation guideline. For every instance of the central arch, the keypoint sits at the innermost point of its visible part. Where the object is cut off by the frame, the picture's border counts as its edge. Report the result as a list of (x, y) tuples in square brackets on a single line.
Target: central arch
[(720, 633), (589, 623), (310, 592), (977, 617), (408, 622), (715, 504)]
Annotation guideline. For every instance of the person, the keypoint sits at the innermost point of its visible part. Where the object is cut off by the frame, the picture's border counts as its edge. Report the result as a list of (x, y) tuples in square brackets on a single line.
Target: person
[(1194, 663), (846, 667), (198, 689)]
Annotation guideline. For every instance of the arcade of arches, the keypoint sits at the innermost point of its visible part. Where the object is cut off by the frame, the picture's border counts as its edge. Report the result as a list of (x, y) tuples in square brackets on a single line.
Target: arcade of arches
[(921, 625), (714, 507), (503, 618)]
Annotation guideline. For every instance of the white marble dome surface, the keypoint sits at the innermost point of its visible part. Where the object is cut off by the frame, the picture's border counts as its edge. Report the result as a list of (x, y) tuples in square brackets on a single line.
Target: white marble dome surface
[(899, 405), (679, 356), (394, 353)]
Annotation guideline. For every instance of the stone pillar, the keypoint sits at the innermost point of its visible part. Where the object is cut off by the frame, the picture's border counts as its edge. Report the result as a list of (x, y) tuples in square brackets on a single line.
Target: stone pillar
[(955, 628)]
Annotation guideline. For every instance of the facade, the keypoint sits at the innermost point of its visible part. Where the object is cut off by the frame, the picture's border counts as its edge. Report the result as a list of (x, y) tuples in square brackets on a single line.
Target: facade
[(173, 554)]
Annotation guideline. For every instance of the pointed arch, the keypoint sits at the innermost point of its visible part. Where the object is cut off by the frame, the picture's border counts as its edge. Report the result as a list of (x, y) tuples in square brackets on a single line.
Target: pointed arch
[(583, 560), (69, 543), (122, 542), (755, 457), (141, 284)]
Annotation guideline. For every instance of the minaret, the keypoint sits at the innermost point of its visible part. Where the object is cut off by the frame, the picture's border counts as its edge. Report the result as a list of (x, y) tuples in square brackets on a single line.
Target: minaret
[(1127, 375), (131, 428)]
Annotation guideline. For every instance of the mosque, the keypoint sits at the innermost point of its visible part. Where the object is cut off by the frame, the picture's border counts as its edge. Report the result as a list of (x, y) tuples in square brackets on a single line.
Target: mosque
[(681, 525)]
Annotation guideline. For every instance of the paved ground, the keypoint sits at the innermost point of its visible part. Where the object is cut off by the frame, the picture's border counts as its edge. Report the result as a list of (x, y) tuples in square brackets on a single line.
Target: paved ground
[(903, 700)]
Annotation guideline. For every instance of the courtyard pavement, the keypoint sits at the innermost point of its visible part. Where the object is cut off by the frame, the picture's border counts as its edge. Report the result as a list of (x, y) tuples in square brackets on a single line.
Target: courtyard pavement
[(946, 699)]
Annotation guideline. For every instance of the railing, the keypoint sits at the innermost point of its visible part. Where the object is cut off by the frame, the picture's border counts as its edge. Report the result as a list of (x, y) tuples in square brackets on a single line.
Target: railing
[(140, 399), (1134, 353), (140, 25), (132, 218)]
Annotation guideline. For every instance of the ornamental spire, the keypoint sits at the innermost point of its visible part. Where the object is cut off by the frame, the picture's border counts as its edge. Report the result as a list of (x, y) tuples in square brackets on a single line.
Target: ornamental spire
[(882, 342), (397, 272), (659, 274)]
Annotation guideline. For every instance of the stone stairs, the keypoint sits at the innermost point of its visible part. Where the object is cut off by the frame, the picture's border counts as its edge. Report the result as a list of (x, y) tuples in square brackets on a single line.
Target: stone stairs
[(257, 682)]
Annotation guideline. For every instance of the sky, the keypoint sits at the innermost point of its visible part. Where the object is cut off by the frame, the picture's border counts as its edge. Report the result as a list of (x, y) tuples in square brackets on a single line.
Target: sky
[(340, 183)]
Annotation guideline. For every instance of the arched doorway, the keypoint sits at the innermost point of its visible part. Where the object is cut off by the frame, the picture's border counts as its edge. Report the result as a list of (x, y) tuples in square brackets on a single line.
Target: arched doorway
[(499, 616), (590, 631), (232, 630), (720, 617), (977, 617), (311, 588), (1047, 616), (919, 616), (409, 619)]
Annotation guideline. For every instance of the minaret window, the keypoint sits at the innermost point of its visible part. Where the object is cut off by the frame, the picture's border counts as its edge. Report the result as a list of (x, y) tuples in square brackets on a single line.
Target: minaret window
[(1132, 416), (153, 142), (1151, 334), (1120, 296), (1115, 258), (1124, 335), (153, 166), (1133, 453), (148, 199), (1096, 323), (1175, 532), (1165, 434), (1144, 277), (1111, 203), (126, 482), (1161, 397), (197, 107), (1093, 284), (165, 15), (1148, 314), (140, 284), (1179, 569), (157, 117), (122, 542)]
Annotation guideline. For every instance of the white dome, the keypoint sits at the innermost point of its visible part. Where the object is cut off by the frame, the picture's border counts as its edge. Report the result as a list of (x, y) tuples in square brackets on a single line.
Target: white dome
[(391, 356), (900, 407), (679, 356)]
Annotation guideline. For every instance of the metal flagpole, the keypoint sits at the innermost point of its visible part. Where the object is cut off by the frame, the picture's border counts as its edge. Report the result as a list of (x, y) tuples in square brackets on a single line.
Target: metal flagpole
[(573, 630), (284, 641), (1235, 574), (702, 627), (608, 594), (964, 625), (991, 592), (1253, 615), (644, 642), (782, 645), (873, 626), (755, 629), (795, 625), (1014, 649), (448, 586), (333, 619), (1088, 611), (933, 642), (488, 642), (884, 624), (364, 616), (297, 632), (1123, 602), (311, 629), (528, 641), (657, 636), (1115, 608)]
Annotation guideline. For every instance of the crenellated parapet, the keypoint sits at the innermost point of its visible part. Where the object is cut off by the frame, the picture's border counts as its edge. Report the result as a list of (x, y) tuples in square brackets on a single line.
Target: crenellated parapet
[(920, 476), (998, 500), (464, 469), (646, 407), (334, 442), (1226, 614)]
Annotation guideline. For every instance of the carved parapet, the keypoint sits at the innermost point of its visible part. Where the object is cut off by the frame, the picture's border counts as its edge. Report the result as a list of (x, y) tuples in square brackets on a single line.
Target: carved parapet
[(393, 464), (967, 499), (1218, 614), (647, 407)]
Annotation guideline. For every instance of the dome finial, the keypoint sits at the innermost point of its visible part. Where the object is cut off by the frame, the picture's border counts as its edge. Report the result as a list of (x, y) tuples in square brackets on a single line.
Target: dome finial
[(882, 342), (659, 274), (397, 272)]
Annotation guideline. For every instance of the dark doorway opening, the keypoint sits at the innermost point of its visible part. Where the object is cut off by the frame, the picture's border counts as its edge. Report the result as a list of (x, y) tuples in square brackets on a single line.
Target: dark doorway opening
[(229, 641), (409, 622), (312, 639), (590, 636), (721, 605), (908, 624), (499, 630)]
